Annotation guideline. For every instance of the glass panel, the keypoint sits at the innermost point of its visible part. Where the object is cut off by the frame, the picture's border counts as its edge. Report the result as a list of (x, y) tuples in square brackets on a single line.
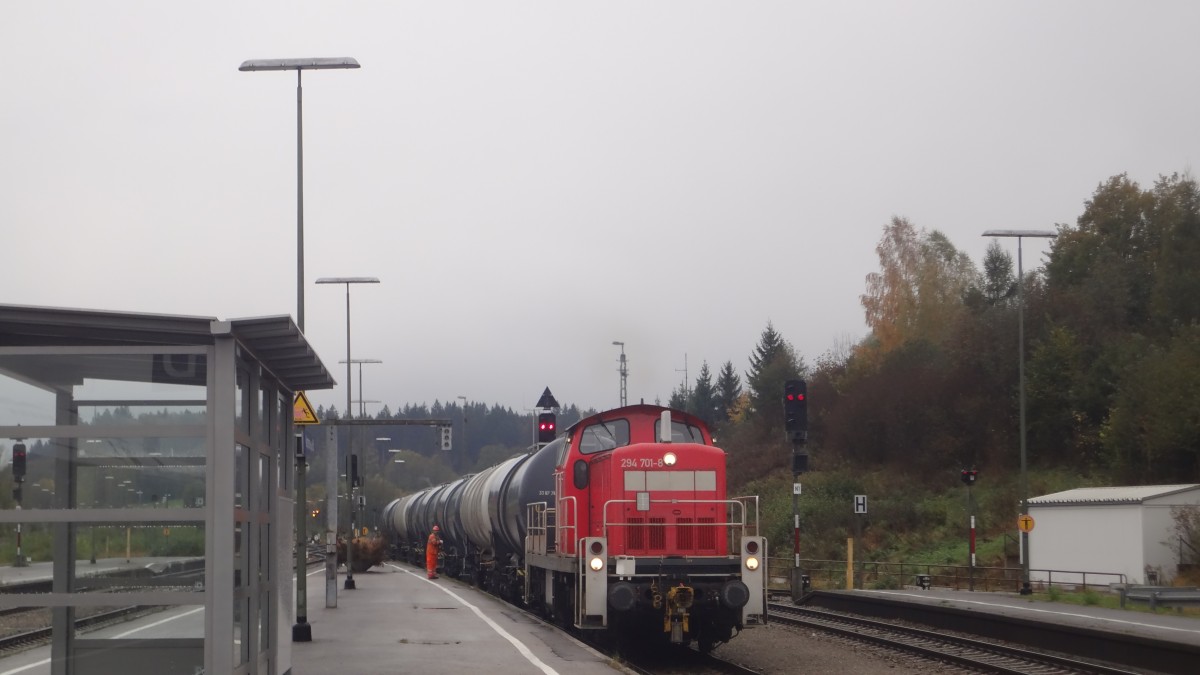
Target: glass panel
[(156, 472), (606, 436), (147, 556), (264, 553), (122, 385), (242, 402), (264, 484), (680, 432), (241, 641), (31, 542), (264, 622), (113, 557), (266, 406), (239, 555), (283, 413), (241, 477)]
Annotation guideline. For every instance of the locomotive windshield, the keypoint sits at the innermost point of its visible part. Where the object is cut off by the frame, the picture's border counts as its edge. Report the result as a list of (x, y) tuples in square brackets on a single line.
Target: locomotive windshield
[(681, 432), (604, 436)]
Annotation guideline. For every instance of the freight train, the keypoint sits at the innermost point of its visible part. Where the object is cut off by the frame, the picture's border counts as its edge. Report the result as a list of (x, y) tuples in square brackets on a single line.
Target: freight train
[(622, 524)]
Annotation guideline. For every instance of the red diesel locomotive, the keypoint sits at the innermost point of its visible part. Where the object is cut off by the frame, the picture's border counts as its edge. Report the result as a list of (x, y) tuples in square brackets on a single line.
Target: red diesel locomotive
[(622, 524)]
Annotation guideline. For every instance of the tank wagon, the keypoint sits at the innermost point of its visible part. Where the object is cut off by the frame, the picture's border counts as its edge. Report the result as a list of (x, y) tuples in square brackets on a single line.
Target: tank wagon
[(622, 524)]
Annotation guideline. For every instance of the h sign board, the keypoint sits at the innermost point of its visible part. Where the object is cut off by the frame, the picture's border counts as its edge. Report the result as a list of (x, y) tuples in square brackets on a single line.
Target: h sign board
[(860, 503)]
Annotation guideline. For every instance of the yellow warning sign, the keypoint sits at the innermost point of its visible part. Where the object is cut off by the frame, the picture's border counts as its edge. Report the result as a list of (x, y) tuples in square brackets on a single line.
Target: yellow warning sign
[(302, 410), (1025, 522)]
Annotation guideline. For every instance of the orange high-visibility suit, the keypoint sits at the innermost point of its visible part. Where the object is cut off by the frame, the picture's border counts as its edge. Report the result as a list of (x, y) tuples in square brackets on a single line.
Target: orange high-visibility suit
[(432, 547)]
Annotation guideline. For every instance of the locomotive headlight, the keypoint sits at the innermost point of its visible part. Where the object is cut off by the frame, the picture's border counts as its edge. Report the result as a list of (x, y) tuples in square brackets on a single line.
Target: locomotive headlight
[(752, 563), (669, 459), (596, 564)]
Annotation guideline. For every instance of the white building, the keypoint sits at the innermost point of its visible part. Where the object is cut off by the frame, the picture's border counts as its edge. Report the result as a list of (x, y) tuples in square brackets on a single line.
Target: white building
[(1115, 530)]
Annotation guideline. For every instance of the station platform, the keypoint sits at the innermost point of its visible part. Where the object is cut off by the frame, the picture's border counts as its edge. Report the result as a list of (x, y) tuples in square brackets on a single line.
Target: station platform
[(1166, 625), (398, 621)]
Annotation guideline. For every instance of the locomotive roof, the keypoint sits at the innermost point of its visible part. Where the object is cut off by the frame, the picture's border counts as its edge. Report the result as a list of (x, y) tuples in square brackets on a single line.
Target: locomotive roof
[(639, 410)]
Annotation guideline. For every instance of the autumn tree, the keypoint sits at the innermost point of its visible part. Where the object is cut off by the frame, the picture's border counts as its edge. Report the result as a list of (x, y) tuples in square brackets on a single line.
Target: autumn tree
[(919, 289)]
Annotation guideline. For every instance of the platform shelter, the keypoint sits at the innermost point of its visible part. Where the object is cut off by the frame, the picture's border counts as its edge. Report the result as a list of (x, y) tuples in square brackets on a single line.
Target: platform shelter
[(146, 482)]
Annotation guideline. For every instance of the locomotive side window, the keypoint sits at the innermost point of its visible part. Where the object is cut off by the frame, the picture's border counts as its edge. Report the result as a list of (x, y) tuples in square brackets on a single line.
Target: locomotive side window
[(681, 432), (579, 474), (604, 436)]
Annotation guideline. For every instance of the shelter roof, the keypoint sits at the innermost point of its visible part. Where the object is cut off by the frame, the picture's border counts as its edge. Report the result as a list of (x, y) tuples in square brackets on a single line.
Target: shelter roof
[(1135, 494), (275, 341)]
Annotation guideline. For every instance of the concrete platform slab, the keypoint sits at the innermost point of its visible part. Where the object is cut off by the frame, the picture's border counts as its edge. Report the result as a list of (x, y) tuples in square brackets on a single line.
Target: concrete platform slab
[(397, 621)]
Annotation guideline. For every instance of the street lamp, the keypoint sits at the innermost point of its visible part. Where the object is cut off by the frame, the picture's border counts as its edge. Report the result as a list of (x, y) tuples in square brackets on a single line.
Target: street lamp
[(623, 370), (350, 451), (301, 630), (299, 65), (362, 404), (1026, 589)]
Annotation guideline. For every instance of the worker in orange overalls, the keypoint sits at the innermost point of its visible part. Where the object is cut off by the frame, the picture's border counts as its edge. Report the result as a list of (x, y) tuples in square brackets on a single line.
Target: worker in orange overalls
[(432, 547)]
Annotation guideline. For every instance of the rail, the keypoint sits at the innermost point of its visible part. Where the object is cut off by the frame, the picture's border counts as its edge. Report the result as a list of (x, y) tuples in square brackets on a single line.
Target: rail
[(831, 574)]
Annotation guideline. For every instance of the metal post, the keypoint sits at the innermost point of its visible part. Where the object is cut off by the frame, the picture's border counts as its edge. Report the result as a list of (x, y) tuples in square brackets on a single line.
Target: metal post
[(349, 583), (302, 630), (1025, 587), (971, 513), (299, 203), (331, 515), (1024, 537)]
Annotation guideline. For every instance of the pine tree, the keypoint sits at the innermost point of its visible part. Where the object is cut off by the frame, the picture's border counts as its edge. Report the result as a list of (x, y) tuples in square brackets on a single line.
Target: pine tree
[(704, 396), (729, 390), (772, 362)]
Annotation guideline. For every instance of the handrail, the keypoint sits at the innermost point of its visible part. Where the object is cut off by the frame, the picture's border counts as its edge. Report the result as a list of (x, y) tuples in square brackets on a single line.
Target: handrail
[(559, 527)]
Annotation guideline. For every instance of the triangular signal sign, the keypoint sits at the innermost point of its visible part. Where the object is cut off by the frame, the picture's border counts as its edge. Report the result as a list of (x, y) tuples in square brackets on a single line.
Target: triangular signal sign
[(302, 410)]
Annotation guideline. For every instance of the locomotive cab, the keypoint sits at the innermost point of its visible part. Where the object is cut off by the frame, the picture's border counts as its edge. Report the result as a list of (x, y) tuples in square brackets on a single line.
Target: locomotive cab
[(642, 508)]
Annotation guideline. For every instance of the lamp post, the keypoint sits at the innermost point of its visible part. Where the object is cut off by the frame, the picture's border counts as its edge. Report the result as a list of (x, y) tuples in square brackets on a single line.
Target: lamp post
[(299, 65), (350, 451), (623, 370), (301, 630), (362, 403), (1026, 589)]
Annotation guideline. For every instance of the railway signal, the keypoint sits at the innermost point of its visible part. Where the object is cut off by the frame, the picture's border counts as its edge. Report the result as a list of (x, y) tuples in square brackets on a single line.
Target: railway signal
[(795, 409), (547, 427), (18, 462), (447, 443)]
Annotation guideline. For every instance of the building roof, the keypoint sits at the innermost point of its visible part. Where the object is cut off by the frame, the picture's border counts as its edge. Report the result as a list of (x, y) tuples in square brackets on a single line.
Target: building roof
[(275, 341), (1135, 494)]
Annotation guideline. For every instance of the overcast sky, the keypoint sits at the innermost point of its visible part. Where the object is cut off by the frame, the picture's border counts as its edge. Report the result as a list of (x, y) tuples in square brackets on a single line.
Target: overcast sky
[(531, 181)]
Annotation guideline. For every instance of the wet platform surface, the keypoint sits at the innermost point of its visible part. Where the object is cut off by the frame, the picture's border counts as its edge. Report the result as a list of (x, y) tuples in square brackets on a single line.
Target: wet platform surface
[(398, 621)]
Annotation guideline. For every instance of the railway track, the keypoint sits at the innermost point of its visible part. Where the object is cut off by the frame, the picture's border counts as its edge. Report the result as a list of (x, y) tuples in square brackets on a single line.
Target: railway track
[(40, 636), (967, 652)]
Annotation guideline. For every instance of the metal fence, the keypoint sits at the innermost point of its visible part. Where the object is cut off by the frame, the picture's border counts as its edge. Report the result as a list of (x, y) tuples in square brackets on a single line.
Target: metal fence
[(832, 574)]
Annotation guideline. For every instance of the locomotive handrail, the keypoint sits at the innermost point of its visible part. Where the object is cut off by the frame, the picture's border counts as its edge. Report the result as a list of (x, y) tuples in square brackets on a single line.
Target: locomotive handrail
[(537, 516), (747, 499), (559, 527)]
